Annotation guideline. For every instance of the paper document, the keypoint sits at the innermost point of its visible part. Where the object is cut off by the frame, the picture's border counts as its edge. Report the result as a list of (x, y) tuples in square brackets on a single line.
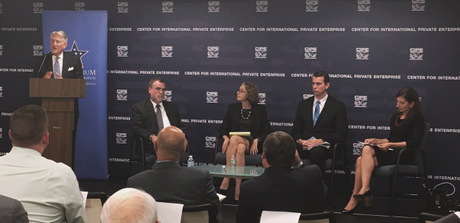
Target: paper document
[(279, 216), (240, 133)]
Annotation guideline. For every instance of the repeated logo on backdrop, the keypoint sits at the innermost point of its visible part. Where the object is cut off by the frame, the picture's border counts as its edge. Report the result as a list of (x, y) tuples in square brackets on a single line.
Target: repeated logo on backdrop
[(311, 6), (1, 133), (360, 101), (416, 53), (261, 52), (122, 51), (362, 53), (121, 138), (263, 98), (364, 5), (418, 5), (79, 6), (1, 91), (210, 142), (261, 6), (122, 94), (168, 96), (166, 51), (310, 53), (37, 7), (1, 50), (213, 6), (122, 7), (1, 8), (212, 97), (38, 50), (167, 7), (213, 51), (357, 148)]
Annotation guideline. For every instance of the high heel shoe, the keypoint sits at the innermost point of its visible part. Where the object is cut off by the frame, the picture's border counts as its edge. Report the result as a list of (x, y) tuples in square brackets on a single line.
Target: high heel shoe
[(349, 212), (367, 197)]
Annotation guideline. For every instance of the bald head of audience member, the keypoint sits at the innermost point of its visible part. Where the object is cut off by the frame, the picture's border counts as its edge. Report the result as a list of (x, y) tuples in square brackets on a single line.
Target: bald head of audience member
[(170, 144), (29, 128), (130, 205), (279, 150)]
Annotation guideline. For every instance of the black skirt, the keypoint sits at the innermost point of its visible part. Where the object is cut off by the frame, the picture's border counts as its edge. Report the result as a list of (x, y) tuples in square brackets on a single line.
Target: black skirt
[(390, 157)]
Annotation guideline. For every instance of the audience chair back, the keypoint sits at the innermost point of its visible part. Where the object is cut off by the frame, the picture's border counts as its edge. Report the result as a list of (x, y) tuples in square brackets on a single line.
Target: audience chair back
[(322, 217), (199, 213), (428, 217)]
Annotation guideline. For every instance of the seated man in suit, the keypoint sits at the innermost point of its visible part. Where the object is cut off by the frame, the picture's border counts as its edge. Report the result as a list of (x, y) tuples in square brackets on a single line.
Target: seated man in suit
[(281, 187), (320, 122), (48, 190), (150, 116), (130, 205), (167, 181), (12, 211)]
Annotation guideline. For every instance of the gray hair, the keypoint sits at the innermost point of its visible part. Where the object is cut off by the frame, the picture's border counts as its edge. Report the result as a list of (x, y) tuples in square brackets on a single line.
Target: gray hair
[(129, 205), (60, 33)]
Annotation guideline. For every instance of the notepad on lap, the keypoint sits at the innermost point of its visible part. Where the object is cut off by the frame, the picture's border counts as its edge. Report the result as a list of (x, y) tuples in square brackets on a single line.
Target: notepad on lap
[(240, 133)]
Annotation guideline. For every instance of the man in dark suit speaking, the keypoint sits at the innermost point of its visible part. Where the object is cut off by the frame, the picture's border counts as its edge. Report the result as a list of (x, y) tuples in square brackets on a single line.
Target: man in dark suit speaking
[(167, 181), (150, 116), (281, 187), (320, 121), (58, 64)]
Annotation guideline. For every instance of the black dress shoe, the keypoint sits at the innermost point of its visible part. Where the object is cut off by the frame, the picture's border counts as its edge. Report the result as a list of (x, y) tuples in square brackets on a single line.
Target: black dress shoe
[(349, 212)]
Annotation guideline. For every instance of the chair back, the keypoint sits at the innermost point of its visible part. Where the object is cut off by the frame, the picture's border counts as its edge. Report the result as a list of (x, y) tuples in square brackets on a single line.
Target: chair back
[(199, 213), (428, 217), (418, 159), (322, 217)]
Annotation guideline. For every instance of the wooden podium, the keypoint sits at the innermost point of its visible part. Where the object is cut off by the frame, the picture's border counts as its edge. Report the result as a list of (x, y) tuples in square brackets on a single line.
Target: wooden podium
[(58, 98)]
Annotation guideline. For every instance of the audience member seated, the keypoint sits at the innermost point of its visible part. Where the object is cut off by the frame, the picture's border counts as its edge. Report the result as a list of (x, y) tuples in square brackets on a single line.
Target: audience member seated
[(452, 218), (247, 116), (48, 190), (407, 126), (281, 187), (167, 181), (130, 205), (12, 211)]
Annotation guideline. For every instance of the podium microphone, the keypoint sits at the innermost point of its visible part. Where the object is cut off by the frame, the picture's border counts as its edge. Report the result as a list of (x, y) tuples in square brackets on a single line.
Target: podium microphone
[(39, 69)]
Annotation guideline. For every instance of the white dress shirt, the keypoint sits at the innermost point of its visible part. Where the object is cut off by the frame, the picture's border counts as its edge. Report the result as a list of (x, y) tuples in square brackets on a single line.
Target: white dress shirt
[(166, 122), (48, 190)]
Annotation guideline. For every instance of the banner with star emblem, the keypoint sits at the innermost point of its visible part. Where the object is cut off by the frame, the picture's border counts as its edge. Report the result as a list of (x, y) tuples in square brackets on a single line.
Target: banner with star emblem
[(87, 33)]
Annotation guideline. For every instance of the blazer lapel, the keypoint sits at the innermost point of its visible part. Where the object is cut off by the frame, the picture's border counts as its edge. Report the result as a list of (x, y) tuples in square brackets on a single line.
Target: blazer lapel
[(326, 107), (169, 113)]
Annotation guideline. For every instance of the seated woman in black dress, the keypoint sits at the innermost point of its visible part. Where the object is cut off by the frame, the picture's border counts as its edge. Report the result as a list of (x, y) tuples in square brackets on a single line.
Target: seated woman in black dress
[(406, 131), (247, 116)]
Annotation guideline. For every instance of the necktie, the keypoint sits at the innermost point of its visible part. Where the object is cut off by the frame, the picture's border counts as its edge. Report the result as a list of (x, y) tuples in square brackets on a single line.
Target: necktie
[(57, 68), (315, 116), (159, 117)]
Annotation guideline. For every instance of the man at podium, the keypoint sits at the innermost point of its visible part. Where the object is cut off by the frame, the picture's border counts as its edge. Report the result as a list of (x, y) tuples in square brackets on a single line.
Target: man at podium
[(58, 64)]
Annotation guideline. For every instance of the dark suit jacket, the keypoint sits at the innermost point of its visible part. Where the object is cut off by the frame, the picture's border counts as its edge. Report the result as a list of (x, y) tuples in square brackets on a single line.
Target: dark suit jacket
[(451, 218), (259, 120), (169, 182), (331, 126), (71, 68), (12, 211), (145, 121), (282, 189)]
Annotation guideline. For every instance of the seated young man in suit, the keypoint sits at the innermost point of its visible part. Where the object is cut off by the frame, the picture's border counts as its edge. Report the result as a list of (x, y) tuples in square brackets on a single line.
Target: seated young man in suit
[(281, 187), (319, 123)]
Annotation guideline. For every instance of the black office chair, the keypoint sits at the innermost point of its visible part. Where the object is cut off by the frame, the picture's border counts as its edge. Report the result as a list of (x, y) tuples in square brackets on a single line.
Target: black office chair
[(416, 168), (199, 213), (338, 160)]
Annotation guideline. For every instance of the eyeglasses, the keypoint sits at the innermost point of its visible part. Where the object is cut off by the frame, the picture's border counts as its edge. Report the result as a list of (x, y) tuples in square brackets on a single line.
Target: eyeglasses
[(240, 91)]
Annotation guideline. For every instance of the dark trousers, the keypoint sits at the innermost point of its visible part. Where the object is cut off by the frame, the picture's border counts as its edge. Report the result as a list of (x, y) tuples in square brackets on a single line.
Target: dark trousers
[(317, 155)]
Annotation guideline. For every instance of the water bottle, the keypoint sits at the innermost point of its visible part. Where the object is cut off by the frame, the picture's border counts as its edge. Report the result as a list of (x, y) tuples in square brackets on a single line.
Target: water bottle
[(233, 162), (190, 161)]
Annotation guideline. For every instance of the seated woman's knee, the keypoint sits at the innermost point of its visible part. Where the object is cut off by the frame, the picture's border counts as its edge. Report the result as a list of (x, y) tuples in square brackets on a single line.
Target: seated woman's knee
[(241, 149), (367, 150)]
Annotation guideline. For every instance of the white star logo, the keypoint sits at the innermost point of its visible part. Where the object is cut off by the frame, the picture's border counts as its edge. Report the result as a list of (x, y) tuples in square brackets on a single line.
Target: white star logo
[(78, 52)]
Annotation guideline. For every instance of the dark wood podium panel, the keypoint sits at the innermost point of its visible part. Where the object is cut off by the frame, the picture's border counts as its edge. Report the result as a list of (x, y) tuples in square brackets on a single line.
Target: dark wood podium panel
[(60, 128), (57, 88), (58, 98)]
